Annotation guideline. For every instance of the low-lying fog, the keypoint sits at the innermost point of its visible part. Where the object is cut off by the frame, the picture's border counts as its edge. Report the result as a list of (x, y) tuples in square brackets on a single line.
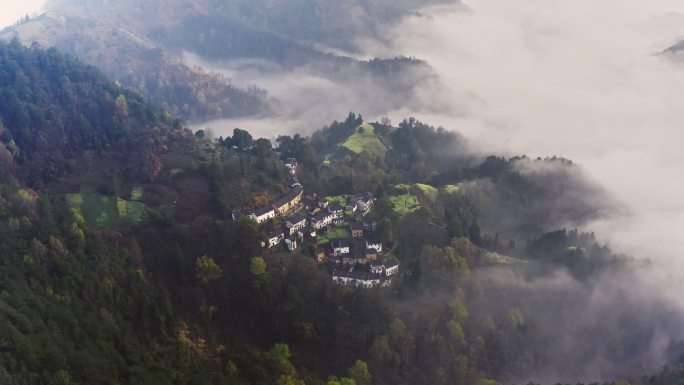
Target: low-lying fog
[(583, 80), (579, 79)]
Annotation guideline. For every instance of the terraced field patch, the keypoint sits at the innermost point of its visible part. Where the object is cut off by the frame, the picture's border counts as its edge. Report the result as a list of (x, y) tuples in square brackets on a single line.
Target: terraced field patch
[(136, 193), (452, 188), (365, 140), (429, 191), (404, 204), (102, 212), (339, 199), (97, 210), (338, 233)]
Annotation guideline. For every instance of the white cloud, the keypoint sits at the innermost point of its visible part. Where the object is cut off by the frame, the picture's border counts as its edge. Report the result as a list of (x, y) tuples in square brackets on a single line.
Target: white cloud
[(578, 79)]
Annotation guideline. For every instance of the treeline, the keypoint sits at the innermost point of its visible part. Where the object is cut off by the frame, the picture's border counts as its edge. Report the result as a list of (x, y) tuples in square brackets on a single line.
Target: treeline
[(143, 66), (55, 109)]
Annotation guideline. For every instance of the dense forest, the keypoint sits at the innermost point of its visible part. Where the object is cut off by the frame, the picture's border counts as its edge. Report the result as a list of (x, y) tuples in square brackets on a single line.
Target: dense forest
[(141, 65), (335, 24), (144, 46), (120, 263)]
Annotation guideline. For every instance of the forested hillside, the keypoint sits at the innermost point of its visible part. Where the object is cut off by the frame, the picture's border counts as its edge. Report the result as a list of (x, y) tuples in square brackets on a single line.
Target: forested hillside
[(121, 263), (142, 65), (143, 47), (335, 24)]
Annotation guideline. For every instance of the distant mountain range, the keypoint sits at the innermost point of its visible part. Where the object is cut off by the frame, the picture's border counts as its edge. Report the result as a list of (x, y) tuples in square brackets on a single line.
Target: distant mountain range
[(140, 45)]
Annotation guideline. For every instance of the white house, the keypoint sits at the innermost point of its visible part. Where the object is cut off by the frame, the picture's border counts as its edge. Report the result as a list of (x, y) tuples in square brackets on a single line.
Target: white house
[(321, 220), (357, 278), (374, 245), (263, 214), (291, 243), (377, 268), (291, 164), (351, 278), (307, 232), (388, 268), (365, 202), (336, 210), (340, 247), (391, 268), (296, 223), (275, 239), (317, 222)]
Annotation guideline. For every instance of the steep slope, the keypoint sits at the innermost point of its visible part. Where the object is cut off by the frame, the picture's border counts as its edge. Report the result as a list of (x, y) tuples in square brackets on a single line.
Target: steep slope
[(142, 65), (56, 111), (335, 24), (180, 294), (145, 46), (78, 302)]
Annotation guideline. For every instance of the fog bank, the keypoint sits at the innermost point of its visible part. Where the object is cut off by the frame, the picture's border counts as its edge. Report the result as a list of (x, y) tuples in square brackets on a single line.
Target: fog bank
[(576, 79), (306, 98), (583, 80)]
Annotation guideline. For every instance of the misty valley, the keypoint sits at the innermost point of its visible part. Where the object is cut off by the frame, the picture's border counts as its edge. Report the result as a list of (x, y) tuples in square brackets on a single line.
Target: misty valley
[(361, 192)]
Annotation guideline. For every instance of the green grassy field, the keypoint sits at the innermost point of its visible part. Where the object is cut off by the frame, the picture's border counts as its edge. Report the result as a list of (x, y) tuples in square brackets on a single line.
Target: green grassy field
[(97, 210), (104, 212), (365, 140), (452, 188), (403, 187), (136, 193), (135, 211), (340, 199), (428, 190), (339, 233), (404, 204), (496, 258)]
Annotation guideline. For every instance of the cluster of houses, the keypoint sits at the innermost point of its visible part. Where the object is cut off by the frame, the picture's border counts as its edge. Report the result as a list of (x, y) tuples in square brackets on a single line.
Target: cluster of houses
[(358, 261), (284, 204)]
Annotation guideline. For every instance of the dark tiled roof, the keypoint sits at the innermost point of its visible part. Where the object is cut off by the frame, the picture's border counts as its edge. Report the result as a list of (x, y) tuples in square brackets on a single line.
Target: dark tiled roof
[(364, 196), (338, 243), (356, 226), (287, 198), (335, 207), (372, 241), (355, 274), (291, 194), (296, 218), (263, 210), (307, 230)]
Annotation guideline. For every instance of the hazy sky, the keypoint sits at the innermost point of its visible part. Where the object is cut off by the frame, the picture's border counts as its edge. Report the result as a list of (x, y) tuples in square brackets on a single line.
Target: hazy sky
[(12, 10)]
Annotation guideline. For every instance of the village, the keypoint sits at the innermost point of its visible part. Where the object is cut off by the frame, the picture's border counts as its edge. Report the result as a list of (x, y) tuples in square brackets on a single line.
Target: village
[(341, 235)]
